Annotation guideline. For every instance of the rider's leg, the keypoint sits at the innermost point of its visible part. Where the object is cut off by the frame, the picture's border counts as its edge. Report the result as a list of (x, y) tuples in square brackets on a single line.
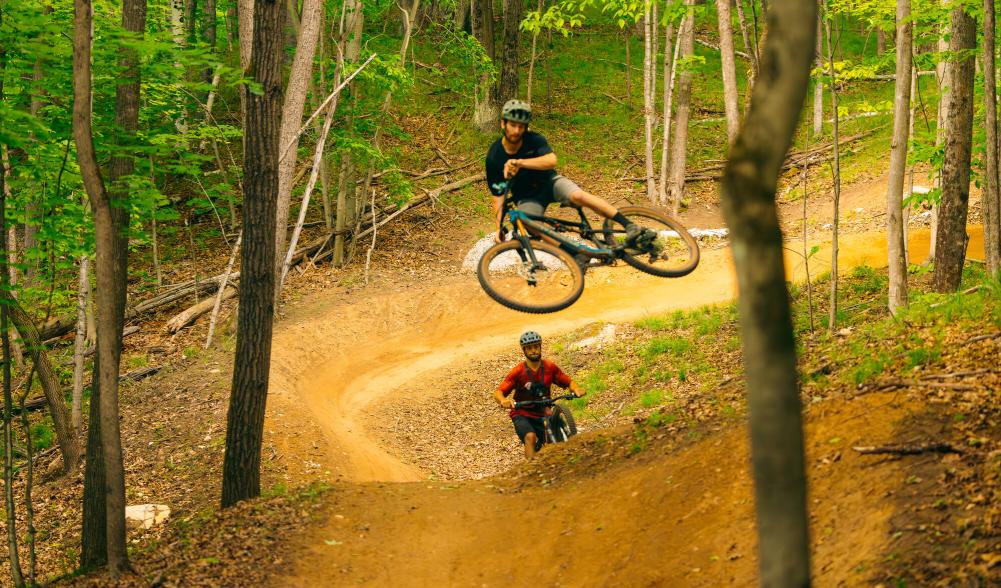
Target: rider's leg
[(605, 209), (530, 441), (567, 192)]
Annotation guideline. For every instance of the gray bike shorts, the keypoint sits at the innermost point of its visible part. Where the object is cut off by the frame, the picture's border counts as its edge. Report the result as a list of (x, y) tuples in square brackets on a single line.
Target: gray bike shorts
[(562, 188)]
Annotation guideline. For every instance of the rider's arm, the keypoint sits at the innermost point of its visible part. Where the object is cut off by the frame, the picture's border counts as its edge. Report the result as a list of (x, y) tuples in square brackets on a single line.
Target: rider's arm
[(577, 390), (542, 162), (502, 399), (498, 202)]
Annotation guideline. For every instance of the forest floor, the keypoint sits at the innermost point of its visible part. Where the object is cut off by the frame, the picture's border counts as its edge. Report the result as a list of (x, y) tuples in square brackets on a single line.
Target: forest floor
[(387, 463)]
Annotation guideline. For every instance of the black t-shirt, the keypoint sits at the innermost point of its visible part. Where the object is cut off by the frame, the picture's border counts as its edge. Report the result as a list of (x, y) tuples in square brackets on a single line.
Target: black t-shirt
[(527, 184)]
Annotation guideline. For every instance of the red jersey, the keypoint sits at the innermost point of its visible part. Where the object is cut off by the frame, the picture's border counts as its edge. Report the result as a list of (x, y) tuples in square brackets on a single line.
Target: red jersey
[(520, 380)]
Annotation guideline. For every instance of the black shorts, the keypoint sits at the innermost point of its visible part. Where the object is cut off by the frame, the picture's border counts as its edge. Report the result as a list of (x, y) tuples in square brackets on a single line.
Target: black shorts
[(524, 425)]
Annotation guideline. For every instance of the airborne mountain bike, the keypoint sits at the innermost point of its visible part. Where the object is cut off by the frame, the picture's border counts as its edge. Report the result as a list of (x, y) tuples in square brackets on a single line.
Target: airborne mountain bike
[(559, 423), (536, 270)]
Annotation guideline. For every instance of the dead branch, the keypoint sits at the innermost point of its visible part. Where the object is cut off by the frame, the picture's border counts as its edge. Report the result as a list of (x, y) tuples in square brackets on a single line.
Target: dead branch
[(890, 384), (908, 449), (964, 374), (619, 100), (139, 374), (981, 338), (964, 292), (190, 314), (716, 48)]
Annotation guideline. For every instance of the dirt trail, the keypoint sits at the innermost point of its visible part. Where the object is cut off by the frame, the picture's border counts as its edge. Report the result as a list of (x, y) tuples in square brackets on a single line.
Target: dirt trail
[(340, 360)]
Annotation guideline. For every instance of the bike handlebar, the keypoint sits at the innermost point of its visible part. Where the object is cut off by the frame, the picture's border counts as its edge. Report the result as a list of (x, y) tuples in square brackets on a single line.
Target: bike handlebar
[(543, 401)]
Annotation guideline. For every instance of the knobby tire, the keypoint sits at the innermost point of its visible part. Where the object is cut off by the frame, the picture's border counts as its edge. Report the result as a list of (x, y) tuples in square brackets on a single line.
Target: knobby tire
[(576, 273)]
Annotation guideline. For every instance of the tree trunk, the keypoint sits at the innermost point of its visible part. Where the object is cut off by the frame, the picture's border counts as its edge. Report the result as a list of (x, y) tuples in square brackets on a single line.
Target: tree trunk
[(676, 187), (818, 88), (178, 29), (80, 345), (898, 162), (649, 30), (507, 87), (951, 240), (881, 42), (209, 34), (748, 199), (628, 35), (65, 435), (944, 74), (8, 401), (670, 69), (749, 48), (111, 262), (461, 17), (486, 111), (245, 420), (729, 69), (990, 200), (531, 62), (836, 140), (295, 102), (190, 10)]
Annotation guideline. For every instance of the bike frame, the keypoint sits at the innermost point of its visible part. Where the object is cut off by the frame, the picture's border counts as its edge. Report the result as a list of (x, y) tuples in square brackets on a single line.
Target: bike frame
[(549, 229), (547, 418)]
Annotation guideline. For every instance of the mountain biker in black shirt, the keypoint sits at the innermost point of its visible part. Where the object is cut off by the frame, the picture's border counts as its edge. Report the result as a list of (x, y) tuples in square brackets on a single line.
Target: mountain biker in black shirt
[(525, 159)]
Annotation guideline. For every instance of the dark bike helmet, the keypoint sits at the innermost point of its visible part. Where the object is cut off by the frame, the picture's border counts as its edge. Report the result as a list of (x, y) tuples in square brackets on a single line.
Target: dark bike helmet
[(517, 111), (530, 337)]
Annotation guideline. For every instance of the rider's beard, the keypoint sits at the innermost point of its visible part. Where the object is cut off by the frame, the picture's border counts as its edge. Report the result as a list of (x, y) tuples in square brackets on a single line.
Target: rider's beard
[(534, 356), (512, 137)]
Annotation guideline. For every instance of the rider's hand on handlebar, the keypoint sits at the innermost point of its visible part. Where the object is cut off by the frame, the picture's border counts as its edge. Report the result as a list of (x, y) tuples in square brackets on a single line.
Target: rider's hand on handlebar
[(511, 167), (499, 235), (507, 402)]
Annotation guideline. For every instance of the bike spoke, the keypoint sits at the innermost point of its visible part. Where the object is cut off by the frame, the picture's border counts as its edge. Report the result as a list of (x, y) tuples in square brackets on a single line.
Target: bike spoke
[(549, 282)]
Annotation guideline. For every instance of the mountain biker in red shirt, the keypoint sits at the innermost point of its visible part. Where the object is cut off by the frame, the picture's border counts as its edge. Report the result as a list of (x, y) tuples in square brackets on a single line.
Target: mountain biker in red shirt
[(531, 380), (537, 185)]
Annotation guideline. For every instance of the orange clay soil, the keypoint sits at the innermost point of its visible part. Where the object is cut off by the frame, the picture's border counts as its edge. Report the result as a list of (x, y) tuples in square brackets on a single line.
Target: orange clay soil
[(679, 513)]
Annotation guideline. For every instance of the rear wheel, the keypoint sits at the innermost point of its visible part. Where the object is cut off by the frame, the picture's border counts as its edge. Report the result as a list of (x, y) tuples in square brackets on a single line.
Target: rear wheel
[(508, 275), (562, 424), (671, 253)]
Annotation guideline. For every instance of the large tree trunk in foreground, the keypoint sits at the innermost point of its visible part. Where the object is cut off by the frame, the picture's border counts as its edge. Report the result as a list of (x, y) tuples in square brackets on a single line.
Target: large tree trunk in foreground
[(295, 102), (748, 198), (990, 199), (241, 477), (729, 69), (111, 218), (951, 240), (898, 162)]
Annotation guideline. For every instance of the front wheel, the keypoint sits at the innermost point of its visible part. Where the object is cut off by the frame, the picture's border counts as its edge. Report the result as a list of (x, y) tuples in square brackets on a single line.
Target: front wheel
[(507, 274), (562, 424), (671, 252)]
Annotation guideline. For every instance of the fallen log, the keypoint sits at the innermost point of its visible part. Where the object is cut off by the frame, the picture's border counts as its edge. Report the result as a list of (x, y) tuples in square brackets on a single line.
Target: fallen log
[(139, 374), (62, 325), (908, 449), (420, 200), (190, 314)]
